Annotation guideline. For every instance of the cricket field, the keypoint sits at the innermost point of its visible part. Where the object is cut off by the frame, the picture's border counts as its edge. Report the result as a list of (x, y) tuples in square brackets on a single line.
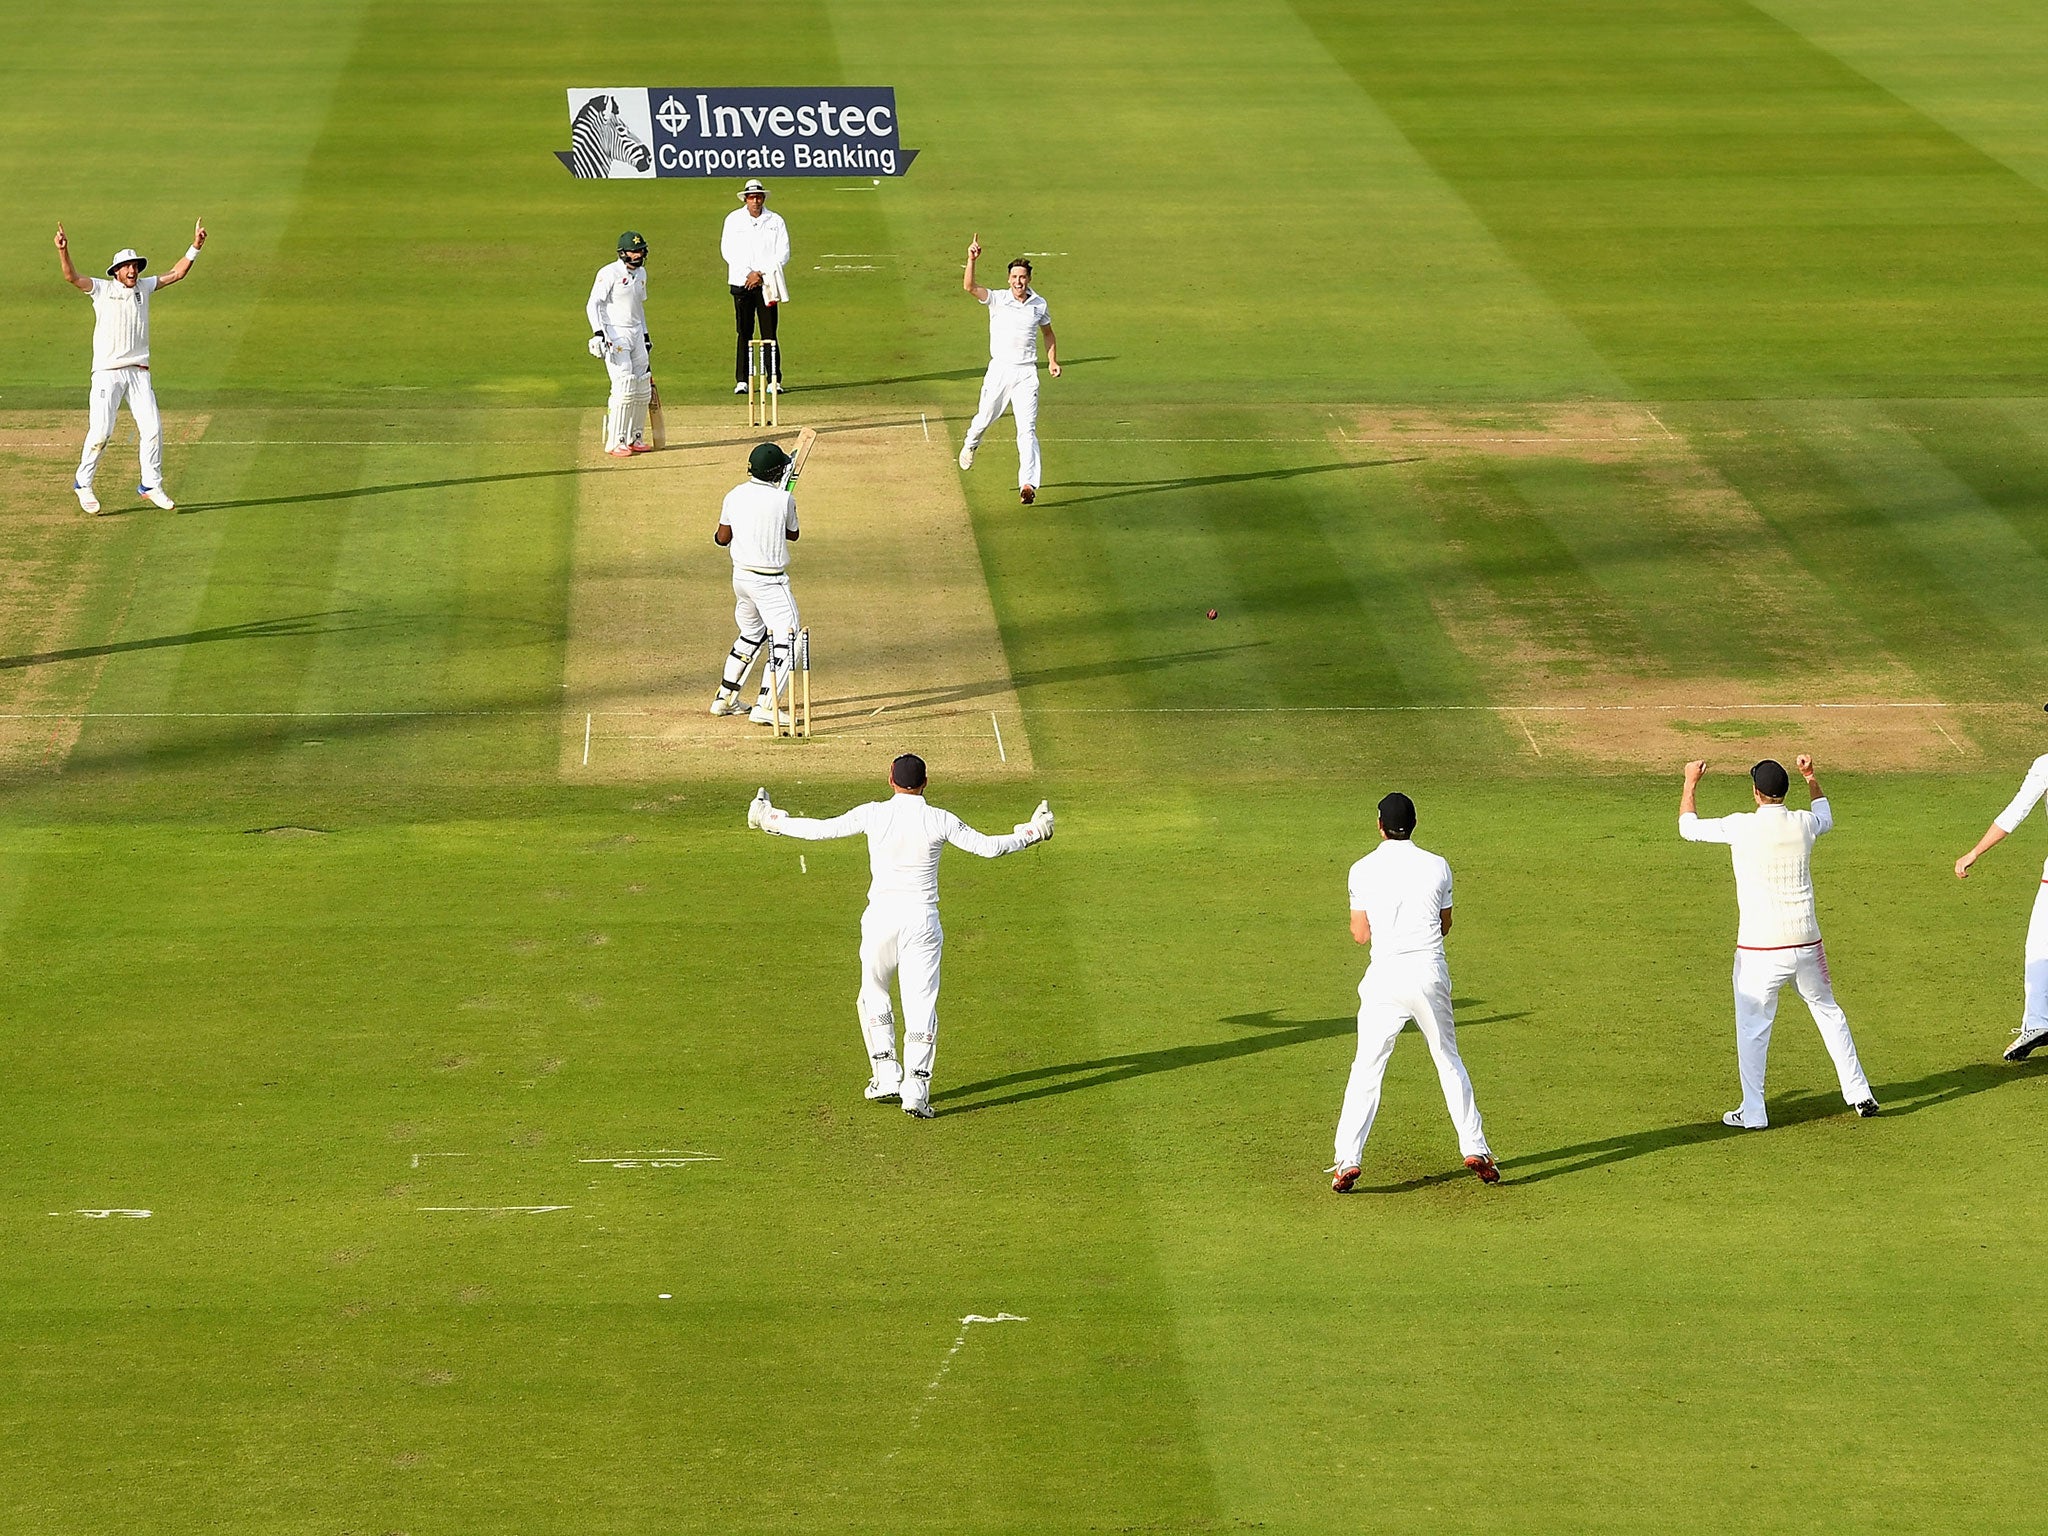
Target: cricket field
[(426, 1109)]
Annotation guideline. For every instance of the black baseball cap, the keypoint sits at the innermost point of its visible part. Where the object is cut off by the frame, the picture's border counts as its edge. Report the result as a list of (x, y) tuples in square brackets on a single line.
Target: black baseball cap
[(1397, 815), (767, 461), (907, 772), (1771, 779)]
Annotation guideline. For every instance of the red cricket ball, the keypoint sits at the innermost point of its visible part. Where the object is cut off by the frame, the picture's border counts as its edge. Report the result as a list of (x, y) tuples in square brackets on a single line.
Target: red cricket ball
[(1212, 613)]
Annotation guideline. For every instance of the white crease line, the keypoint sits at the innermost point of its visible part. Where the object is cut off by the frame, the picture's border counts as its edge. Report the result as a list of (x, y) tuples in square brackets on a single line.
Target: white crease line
[(418, 1155), (531, 1210), (1950, 739), (586, 741), (101, 1215), (671, 1159), (992, 720), (1498, 709), (1528, 733), (945, 1365)]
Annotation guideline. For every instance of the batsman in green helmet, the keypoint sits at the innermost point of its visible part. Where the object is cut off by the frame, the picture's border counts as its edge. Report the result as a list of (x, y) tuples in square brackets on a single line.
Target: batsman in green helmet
[(618, 336)]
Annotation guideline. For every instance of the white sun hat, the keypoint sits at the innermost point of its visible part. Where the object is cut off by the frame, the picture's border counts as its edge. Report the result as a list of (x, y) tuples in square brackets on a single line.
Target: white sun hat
[(122, 257), (750, 189)]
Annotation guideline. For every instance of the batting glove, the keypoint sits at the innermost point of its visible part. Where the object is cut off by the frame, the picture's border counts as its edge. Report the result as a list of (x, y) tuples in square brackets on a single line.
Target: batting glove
[(1042, 820), (758, 809), (597, 345)]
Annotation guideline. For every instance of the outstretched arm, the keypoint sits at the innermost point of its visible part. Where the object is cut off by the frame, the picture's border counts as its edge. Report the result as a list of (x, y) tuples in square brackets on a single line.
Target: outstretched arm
[(82, 284), (1022, 836), (967, 279), (177, 273), (851, 824)]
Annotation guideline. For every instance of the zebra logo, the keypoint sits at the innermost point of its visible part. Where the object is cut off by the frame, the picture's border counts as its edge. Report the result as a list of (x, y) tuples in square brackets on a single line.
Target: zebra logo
[(608, 135)]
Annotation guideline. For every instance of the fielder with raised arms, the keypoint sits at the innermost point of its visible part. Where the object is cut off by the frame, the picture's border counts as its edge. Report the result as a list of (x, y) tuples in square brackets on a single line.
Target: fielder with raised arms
[(1016, 315), (1401, 906), (2033, 1030), (120, 363), (617, 311), (1777, 937), (900, 937), (757, 523)]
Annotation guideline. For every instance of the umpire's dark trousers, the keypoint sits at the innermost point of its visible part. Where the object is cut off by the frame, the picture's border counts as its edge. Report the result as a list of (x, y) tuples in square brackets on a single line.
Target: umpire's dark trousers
[(747, 308)]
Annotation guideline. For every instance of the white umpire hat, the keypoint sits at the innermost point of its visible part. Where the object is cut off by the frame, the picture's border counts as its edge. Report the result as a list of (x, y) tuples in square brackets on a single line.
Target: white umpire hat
[(123, 257), (750, 189)]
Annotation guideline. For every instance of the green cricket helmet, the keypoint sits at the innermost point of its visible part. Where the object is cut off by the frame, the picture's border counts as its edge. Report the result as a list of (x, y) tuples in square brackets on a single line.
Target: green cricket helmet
[(633, 240)]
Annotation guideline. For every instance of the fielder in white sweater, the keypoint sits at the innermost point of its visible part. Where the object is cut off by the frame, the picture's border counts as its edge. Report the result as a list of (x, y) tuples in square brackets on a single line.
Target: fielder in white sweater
[(1778, 937), (2033, 1030), (900, 937)]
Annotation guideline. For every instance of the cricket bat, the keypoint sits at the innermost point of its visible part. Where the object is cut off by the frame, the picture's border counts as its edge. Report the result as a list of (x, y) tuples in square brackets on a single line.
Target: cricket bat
[(806, 440), (657, 423)]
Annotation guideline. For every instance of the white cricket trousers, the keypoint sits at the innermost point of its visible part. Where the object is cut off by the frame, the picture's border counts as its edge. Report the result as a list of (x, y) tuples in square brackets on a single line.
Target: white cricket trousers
[(765, 610), (625, 359), (1759, 974), (2036, 1015), (901, 944), (110, 386), (1014, 385), (1394, 991)]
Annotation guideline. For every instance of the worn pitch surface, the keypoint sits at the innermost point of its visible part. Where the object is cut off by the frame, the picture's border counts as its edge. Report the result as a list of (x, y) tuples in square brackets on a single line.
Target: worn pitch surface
[(905, 653)]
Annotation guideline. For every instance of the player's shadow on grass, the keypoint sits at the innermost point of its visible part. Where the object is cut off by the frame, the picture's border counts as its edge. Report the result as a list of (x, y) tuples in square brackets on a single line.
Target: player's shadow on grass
[(1081, 672), (1112, 490), (1270, 1034), (1907, 1098), (926, 378), (254, 629)]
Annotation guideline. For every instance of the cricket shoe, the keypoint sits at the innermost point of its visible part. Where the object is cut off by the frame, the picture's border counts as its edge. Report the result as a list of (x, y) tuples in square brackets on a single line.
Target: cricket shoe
[(876, 1091), (761, 716), (725, 702), (967, 456), (640, 448), (740, 388), (1867, 1109), (775, 386), (1485, 1168), (620, 452), (87, 502), (1027, 494), (920, 1112), (2030, 1040), (155, 496), (1346, 1176), (1734, 1121)]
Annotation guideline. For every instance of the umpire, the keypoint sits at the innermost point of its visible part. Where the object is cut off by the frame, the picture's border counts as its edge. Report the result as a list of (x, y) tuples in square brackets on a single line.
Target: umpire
[(755, 245)]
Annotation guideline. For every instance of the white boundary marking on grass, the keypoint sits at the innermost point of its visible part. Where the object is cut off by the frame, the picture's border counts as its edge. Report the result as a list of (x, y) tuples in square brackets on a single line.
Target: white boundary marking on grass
[(992, 720), (802, 866), (418, 1155), (586, 741), (654, 1159), (945, 1365), (1496, 709), (1528, 733), (922, 422), (528, 1210), (93, 1214)]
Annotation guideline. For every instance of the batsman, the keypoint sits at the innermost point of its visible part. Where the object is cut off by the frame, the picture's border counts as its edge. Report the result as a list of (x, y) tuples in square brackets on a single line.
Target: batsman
[(900, 937)]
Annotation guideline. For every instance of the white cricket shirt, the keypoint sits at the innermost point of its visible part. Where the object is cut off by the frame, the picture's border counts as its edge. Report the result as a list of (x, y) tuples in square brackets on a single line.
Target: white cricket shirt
[(749, 244), (1772, 850), (2036, 785), (905, 836), (120, 323), (618, 299), (1013, 325), (761, 517), (1403, 891)]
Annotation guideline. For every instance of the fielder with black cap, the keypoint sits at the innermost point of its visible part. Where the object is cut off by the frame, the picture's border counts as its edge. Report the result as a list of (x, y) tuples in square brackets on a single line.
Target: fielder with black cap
[(1401, 906), (755, 245), (120, 363), (757, 523), (900, 937), (2033, 1030), (617, 312), (1777, 938)]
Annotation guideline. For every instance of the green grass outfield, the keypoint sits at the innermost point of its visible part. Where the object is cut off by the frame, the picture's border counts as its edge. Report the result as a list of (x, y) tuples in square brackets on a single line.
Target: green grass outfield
[(1365, 311)]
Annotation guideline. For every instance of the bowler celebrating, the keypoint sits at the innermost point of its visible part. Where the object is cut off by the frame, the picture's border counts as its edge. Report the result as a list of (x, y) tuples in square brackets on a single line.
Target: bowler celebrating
[(1401, 906), (1015, 317), (1777, 938), (2033, 1030), (617, 311), (120, 363), (900, 937)]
